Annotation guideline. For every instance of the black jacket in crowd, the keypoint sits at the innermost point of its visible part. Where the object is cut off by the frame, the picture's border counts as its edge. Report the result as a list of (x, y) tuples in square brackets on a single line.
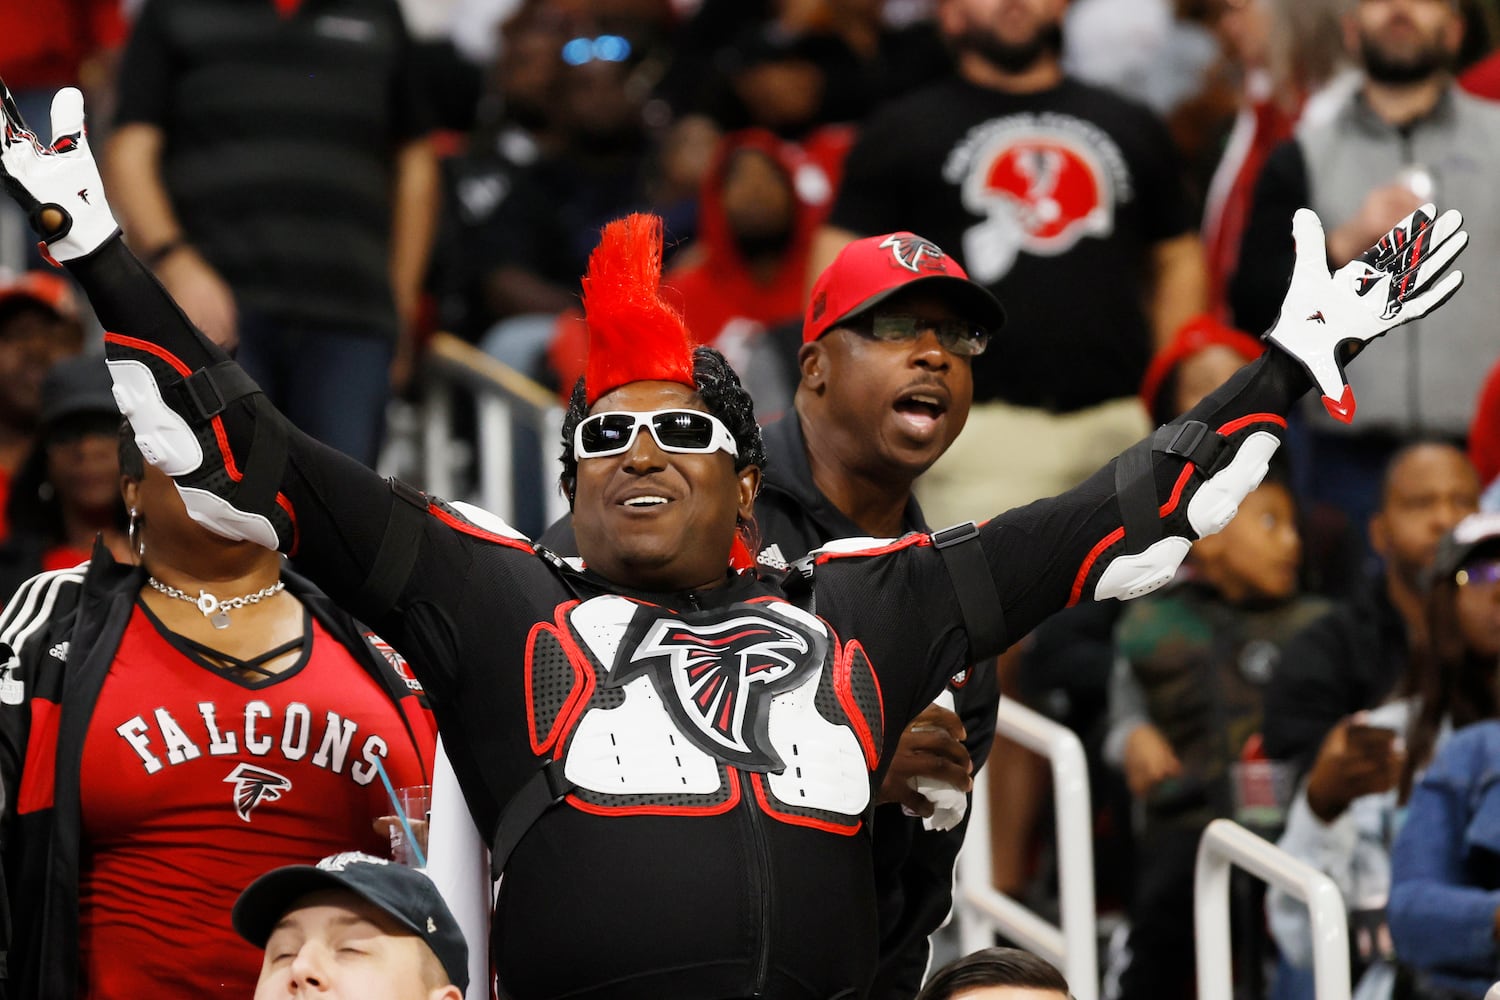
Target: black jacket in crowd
[(1349, 660), (913, 865)]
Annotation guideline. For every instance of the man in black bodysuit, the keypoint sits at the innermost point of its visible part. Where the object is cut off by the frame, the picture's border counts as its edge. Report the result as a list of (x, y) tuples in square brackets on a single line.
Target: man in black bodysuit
[(677, 760), (871, 413)]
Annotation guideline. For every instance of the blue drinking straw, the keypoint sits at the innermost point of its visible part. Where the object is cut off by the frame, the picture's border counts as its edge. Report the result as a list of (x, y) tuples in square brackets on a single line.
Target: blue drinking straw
[(411, 838)]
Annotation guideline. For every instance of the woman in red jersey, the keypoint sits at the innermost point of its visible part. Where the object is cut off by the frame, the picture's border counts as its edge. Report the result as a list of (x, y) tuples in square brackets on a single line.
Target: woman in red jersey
[(170, 730)]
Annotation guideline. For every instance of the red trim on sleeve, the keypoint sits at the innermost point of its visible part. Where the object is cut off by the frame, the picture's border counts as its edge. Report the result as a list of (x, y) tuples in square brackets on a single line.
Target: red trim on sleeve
[(1239, 423), (220, 434), (39, 779), (459, 524), (136, 343), (1177, 488), (1114, 536), (1252, 418), (895, 545)]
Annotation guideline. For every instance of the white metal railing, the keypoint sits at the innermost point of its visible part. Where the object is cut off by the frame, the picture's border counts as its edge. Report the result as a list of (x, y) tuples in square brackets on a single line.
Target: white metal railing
[(1227, 845), (982, 910), (505, 403)]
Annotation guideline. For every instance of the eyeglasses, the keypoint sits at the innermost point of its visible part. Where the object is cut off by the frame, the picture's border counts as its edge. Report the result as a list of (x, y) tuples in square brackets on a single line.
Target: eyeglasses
[(958, 336), (686, 432), (1476, 573), (604, 48)]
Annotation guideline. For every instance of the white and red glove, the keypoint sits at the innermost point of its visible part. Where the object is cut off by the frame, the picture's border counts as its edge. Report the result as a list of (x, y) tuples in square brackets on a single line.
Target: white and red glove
[(57, 184), (1389, 284)]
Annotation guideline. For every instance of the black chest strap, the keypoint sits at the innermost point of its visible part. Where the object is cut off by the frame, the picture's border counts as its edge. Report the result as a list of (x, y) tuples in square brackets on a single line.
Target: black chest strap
[(543, 790)]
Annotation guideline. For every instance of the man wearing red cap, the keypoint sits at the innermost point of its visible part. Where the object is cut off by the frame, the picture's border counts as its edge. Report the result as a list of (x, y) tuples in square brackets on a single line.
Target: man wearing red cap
[(678, 758), (893, 328), (1066, 201)]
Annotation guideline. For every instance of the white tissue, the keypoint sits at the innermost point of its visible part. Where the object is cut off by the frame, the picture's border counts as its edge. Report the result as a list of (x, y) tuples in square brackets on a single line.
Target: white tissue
[(949, 804)]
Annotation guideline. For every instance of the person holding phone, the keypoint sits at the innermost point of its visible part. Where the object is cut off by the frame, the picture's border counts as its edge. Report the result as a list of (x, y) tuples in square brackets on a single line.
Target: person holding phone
[(1349, 811)]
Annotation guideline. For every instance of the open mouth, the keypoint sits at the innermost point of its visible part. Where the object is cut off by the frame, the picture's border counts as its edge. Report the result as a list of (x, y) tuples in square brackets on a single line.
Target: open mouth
[(922, 407)]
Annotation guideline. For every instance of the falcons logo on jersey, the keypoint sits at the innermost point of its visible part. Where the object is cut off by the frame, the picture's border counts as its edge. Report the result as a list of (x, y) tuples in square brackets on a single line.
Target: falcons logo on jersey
[(254, 785), (717, 677)]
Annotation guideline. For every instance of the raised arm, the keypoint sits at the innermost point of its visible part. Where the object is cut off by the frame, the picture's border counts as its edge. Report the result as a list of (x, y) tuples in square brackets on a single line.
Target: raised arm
[(1125, 530), (377, 547)]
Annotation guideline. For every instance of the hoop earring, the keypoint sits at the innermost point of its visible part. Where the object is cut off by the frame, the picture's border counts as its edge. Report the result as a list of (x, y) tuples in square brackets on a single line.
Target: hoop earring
[(133, 535)]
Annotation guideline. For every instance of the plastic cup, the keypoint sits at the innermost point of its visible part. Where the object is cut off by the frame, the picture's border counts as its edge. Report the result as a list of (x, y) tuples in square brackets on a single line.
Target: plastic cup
[(1262, 792), (415, 802)]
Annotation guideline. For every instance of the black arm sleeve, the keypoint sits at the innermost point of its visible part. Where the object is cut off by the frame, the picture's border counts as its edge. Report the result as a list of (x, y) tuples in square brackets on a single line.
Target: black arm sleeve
[(1048, 554), (1266, 248), (340, 509)]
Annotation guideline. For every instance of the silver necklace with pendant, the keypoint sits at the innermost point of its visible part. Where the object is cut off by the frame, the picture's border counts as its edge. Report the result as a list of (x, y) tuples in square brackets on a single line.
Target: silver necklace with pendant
[(215, 609)]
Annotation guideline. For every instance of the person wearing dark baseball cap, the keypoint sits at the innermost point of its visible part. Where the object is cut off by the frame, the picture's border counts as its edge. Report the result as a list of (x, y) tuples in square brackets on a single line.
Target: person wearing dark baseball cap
[(356, 926)]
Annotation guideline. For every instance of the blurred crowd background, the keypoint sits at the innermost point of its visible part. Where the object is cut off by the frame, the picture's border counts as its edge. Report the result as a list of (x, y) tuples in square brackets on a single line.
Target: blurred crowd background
[(458, 182)]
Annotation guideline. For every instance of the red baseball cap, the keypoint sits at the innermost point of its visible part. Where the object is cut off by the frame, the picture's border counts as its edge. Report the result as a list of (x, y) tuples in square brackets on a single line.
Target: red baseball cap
[(1200, 332), (871, 270), (50, 290)]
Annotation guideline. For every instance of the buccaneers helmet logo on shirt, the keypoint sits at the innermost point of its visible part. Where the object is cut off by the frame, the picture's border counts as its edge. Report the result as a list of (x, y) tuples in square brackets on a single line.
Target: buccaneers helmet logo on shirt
[(254, 785), (1038, 190), (717, 678)]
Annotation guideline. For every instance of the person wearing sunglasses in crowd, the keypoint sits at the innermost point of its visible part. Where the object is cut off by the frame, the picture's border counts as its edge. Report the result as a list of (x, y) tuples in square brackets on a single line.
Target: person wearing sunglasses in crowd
[(676, 754), (1346, 816)]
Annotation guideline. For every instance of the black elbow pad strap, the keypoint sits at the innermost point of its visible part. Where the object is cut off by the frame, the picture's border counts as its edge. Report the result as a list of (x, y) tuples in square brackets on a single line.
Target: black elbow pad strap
[(969, 571), (205, 394), (1135, 475)]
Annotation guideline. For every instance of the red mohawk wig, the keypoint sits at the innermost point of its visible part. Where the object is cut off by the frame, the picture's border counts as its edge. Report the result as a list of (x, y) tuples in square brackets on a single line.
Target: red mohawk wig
[(633, 335)]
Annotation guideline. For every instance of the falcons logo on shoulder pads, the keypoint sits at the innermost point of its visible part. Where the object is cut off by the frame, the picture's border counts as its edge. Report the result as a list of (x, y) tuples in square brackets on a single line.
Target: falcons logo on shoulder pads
[(254, 785), (717, 677)]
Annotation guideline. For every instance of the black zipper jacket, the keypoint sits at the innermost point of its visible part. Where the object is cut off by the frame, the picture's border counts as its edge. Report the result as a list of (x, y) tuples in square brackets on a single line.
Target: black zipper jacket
[(913, 865)]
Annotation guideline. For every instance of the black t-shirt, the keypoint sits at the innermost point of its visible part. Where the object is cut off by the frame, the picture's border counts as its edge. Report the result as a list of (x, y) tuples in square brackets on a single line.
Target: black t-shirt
[(280, 139), (1053, 200)]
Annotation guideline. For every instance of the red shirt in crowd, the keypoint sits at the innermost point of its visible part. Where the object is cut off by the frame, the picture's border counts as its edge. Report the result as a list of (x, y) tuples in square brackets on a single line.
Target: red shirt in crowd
[(194, 782)]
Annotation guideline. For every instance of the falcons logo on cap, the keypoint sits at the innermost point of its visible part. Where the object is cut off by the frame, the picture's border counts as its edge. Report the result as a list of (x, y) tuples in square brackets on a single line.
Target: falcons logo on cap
[(254, 785), (913, 252), (717, 678)]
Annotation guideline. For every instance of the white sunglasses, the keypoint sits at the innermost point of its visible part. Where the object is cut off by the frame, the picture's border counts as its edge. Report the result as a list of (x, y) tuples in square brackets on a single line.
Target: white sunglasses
[(688, 432)]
